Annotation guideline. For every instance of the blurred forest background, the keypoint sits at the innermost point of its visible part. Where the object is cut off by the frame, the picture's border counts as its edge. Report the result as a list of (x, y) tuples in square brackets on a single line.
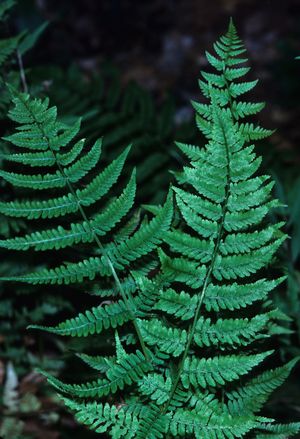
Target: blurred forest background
[(119, 61)]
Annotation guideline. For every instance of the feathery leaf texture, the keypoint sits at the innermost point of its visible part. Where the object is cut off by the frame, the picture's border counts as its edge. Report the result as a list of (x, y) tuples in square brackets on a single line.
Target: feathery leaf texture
[(212, 264), (193, 367), (40, 131), (215, 262), (229, 88)]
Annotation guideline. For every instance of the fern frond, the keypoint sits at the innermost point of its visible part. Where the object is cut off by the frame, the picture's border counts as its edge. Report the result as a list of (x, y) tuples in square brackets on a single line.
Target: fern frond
[(185, 423), (187, 378), (215, 259), (63, 205), (98, 362), (93, 321), (153, 424), (120, 374), (181, 305), (78, 232), (218, 370), (229, 86), (156, 387), (102, 417), (231, 332), (169, 340), (39, 130), (252, 396), (279, 431)]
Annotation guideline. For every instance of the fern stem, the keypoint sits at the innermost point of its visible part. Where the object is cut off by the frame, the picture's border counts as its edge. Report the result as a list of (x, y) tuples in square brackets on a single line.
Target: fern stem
[(108, 260), (96, 239), (22, 72), (224, 76), (216, 249), (206, 282)]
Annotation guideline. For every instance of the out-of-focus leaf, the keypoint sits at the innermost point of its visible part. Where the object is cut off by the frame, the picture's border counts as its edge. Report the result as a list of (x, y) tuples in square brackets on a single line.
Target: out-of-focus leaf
[(2, 372), (29, 403), (11, 428), (10, 391), (294, 203), (5, 6), (31, 38)]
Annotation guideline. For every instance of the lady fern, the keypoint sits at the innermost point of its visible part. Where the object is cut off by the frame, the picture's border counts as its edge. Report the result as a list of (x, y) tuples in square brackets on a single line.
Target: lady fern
[(55, 164), (193, 368), (223, 203)]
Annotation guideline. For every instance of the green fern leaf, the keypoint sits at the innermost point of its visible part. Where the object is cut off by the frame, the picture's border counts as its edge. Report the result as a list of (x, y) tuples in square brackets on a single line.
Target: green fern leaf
[(252, 396), (168, 340), (218, 370), (195, 373), (236, 296), (201, 426), (232, 332), (102, 417), (66, 204), (121, 374), (215, 260), (279, 431), (78, 232), (92, 322), (155, 386), (98, 362), (181, 305)]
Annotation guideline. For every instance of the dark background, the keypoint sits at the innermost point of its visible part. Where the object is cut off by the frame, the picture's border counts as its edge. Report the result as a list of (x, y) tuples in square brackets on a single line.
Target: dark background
[(161, 44)]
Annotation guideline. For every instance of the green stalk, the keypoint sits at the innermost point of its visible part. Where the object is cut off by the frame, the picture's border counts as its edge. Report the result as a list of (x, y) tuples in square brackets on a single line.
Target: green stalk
[(205, 285)]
